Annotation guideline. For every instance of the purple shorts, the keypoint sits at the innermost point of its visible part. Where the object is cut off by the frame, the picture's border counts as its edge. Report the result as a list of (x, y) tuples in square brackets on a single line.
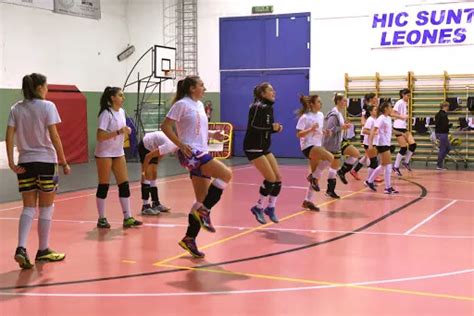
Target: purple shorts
[(194, 163)]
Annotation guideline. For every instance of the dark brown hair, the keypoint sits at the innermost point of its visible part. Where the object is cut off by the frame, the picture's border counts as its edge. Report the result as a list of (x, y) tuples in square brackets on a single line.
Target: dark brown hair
[(305, 101), (184, 87), (259, 90), (106, 98), (30, 84)]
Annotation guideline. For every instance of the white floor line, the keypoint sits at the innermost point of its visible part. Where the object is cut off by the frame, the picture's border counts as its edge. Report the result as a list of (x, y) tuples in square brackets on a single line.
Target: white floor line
[(426, 220), (296, 230), (287, 289)]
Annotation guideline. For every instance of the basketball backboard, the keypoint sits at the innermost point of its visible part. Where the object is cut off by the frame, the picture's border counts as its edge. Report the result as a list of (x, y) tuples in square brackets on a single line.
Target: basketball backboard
[(164, 62)]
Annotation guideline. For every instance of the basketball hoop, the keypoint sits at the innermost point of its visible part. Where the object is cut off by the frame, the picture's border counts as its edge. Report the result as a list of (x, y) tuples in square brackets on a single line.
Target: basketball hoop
[(178, 75)]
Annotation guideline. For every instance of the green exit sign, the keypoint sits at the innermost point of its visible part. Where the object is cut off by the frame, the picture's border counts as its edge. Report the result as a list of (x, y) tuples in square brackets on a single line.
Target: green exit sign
[(262, 9)]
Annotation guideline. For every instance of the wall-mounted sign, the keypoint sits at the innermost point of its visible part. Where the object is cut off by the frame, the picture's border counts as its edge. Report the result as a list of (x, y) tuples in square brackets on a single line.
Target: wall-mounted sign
[(82, 8), (42, 4), (450, 24), (262, 9)]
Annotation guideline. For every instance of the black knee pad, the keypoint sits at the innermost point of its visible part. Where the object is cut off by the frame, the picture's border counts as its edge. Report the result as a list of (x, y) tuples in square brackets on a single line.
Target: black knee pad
[(276, 189), (266, 188), (373, 163), (102, 190), (412, 147), (392, 149), (124, 190), (403, 151)]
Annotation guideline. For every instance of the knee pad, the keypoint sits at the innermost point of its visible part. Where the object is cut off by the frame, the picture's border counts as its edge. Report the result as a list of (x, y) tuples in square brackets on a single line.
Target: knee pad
[(403, 151), (392, 149), (412, 147), (124, 190), (373, 163), (266, 188), (276, 189), (29, 211), (46, 212), (102, 190)]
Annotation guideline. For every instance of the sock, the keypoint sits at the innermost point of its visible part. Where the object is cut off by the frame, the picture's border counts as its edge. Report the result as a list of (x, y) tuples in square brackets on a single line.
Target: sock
[(145, 186), (154, 192), (398, 160), (193, 227), (309, 193), (332, 173), (388, 173), (100, 207), (374, 174), (261, 200), (125, 203), (24, 227), (321, 167), (408, 156), (44, 226), (272, 201), (214, 193), (360, 163)]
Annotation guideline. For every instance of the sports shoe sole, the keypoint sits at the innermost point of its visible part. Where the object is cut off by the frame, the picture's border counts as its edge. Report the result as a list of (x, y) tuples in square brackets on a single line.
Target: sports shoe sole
[(183, 245), (22, 262)]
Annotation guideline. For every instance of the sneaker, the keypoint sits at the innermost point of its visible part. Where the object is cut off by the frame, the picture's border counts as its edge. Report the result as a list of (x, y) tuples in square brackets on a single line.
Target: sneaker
[(270, 212), (131, 222), (332, 194), (189, 244), (390, 191), (310, 205), (355, 174), (160, 208), (394, 191), (370, 186), (406, 165), (314, 182), (397, 171), (342, 176), (148, 210), (378, 179), (204, 218), (49, 255), (21, 256), (441, 168), (258, 212), (103, 223)]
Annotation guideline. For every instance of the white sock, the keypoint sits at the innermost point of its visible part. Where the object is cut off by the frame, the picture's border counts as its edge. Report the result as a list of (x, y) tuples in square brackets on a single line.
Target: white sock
[(408, 156), (369, 173), (26, 219), (309, 193), (374, 174), (388, 173), (261, 200), (398, 160), (321, 167), (363, 160), (350, 160), (44, 226), (332, 173), (272, 201), (100, 207), (125, 203)]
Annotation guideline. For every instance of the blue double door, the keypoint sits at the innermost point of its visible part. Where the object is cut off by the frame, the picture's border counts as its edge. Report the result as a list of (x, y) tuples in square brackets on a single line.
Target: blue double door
[(265, 48)]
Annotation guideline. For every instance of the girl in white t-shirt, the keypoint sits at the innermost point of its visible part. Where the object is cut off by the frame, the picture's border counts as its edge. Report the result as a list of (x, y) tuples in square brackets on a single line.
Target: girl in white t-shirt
[(191, 137), (404, 137), (109, 155), (309, 130), (370, 152), (151, 149), (382, 133), (32, 122)]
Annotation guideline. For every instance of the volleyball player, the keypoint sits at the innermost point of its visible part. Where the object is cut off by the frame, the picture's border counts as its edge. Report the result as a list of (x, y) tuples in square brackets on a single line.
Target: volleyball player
[(110, 156), (32, 122), (191, 137)]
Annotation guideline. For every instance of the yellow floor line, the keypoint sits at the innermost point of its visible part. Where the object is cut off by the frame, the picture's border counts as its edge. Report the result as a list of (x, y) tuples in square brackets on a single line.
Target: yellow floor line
[(249, 231), (315, 282)]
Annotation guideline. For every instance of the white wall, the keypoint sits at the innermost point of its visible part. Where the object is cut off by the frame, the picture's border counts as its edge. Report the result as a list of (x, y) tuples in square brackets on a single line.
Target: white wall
[(339, 41), (67, 49)]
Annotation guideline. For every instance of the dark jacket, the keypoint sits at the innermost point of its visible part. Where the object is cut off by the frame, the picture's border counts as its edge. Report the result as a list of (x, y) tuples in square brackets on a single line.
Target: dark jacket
[(442, 122), (259, 126)]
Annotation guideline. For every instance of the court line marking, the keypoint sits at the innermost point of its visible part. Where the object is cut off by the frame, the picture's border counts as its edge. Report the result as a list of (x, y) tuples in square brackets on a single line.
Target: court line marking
[(165, 225), (272, 290), (251, 230), (426, 220)]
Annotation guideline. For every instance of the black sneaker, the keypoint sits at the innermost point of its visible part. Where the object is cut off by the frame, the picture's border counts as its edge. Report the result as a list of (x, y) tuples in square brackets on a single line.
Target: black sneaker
[(332, 194), (342, 176), (313, 182), (370, 186), (397, 171), (49, 255), (103, 223), (204, 218), (189, 244), (21, 256), (310, 205)]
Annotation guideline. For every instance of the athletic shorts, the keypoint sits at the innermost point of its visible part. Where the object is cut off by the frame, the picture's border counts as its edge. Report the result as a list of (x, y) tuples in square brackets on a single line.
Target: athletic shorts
[(252, 155), (194, 163), (382, 149), (306, 151), (344, 144), (399, 131), (40, 176), (142, 152), (366, 146)]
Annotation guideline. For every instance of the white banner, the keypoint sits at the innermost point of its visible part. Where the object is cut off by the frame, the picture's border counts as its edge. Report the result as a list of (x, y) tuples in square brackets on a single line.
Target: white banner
[(447, 24), (42, 4), (82, 8)]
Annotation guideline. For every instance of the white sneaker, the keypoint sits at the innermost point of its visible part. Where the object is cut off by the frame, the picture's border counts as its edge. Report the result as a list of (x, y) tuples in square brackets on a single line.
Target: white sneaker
[(161, 208)]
